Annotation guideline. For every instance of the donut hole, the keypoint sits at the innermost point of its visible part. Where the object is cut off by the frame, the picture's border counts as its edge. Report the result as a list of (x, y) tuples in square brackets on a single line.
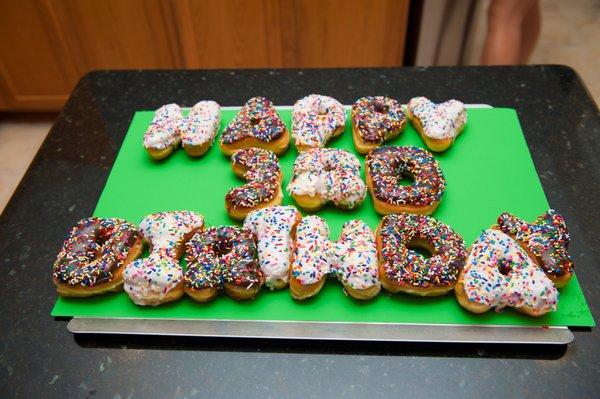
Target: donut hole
[(328, 167), (505, 267), (420, 247), (420, 251), (222, 247), (405, 179), (381, 107), (322, 110), (254, 121)]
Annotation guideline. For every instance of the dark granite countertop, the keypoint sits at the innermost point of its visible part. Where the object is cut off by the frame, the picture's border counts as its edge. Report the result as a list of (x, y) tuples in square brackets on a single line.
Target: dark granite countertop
[(40, 358)]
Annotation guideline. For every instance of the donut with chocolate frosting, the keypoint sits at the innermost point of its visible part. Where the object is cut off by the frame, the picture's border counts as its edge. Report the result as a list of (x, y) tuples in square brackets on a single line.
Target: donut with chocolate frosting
[(376, 120), (94, 255), (385, 169), (403, 269), (222, 258), (263, 188)]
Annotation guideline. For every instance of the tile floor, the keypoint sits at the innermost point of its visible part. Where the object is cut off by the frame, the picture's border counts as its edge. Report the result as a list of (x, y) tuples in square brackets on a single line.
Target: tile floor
[(570, 33), (20, 139)]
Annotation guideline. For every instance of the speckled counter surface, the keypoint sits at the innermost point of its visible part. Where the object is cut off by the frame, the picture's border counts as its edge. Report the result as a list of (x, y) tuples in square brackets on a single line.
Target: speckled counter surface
[(40, 358)]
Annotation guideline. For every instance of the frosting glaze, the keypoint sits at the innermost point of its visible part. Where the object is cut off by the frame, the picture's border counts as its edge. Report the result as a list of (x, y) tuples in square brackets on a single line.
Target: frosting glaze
[(386, 166), (439, 121), (405, 267), (354, 256), (263, 173), (149, 280), (376, 118), (220, 255), (547, 238), (352, 259), (163, 131), (315, 119), (331, 173), (165, 231), (257, 119), (201, 124), (498, 273), (312, 253), (273, 228), (93, 251)]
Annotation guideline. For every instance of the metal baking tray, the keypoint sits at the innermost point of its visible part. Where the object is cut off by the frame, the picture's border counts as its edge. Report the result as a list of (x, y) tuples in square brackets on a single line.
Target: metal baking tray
[(310, 330)]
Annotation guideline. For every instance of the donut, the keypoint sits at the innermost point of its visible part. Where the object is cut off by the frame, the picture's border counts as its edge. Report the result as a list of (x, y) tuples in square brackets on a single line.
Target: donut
[(263, 174), (312, 252), (154, 280), (352, 259), (199, 128), (387, 166), (499, 273), (93, 256), (437, 124), (158, 278), (274, 229), (546, 241), (403, 269), (324, 175), (256, 125), (222, 258), (162, 136), (375, 120), (168, 231), (315, 120)]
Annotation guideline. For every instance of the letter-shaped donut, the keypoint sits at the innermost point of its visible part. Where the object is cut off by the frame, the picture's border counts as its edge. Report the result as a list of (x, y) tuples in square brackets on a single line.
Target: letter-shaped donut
[(352, 259), (547, 242), (438, 124), (375, 120), (163, 136), (315, 120), (199, 128), (403, 269), (222, 258), (93, 257), (499, 273), (324, 175), (274, 229), (262, 171), (158, 278), (387, 166), (256, 125)]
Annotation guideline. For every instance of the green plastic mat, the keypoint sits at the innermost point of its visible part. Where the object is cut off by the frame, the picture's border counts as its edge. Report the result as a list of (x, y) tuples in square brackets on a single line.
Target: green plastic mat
[(489, 170)]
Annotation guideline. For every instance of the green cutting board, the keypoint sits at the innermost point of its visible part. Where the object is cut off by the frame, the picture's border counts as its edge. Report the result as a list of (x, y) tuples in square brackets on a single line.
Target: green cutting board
[(488, 170)]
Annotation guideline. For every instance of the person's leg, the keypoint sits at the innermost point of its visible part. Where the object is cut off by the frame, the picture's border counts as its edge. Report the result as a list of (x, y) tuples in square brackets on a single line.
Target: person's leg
[(530, 31), (503, 43)]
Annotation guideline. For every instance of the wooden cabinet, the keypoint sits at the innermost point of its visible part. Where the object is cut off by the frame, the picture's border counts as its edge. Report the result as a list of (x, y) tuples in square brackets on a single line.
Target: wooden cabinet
[(47, 45)]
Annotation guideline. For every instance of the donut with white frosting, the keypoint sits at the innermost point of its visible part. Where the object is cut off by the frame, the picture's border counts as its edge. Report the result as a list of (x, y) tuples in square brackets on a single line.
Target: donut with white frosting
[(315, 120), (162, 136), (274, 228), (499, 273), (199, 129), (438, 124), (158, 278), (324, 175), (352, 259)]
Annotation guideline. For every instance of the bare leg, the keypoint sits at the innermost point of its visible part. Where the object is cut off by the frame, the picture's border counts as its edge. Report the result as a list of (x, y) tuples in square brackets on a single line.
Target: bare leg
[(530, 32), (503, 44)]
